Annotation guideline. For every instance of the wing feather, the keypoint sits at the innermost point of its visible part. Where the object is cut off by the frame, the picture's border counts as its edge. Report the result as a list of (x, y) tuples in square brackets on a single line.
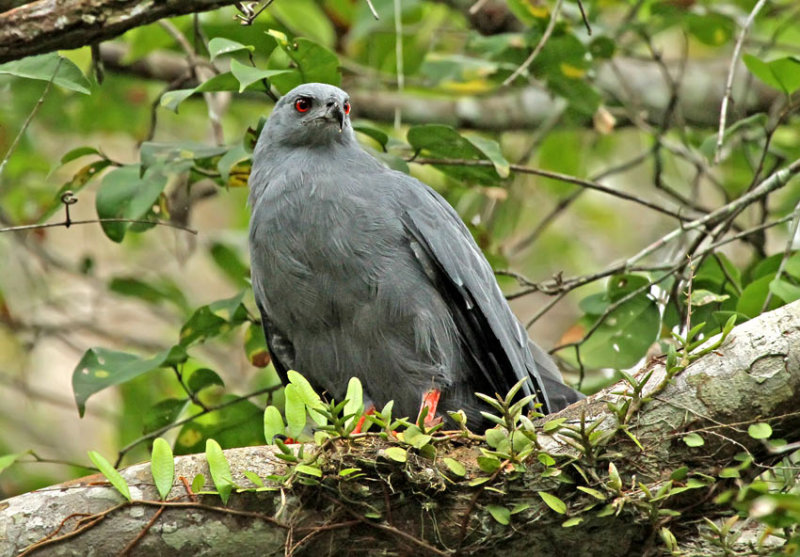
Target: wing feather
[(496, 340)]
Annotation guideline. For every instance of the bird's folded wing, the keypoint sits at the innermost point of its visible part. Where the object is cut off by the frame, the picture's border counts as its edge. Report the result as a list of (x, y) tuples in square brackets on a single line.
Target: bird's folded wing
[(448, 248)]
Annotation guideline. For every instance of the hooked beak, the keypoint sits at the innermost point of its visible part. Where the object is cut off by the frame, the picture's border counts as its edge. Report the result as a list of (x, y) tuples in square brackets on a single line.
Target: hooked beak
[(336, 113)]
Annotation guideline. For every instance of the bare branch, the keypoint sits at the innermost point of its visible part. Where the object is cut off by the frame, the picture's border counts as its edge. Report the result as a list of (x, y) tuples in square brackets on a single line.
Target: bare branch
[(545, 36), (723, 112), (44, 26)]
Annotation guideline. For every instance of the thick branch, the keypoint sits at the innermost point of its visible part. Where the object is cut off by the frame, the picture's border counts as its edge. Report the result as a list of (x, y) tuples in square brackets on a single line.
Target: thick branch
[(418, 508), (44, 26)]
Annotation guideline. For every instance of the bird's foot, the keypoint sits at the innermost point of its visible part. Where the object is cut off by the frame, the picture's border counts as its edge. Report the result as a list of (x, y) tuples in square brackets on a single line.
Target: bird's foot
[(363, 419), (430, 401)]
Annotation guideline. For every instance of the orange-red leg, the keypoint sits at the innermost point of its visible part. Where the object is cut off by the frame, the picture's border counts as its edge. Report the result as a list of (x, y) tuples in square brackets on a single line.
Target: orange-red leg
[(363, 418), (430, 400)]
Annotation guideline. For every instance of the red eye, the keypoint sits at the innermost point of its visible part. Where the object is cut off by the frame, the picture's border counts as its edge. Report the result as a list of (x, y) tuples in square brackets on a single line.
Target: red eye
[(302, 104), (347, 108)]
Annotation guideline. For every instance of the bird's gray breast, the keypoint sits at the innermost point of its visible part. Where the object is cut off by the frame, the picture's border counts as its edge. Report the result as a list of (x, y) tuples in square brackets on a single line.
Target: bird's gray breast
[(321, 248)]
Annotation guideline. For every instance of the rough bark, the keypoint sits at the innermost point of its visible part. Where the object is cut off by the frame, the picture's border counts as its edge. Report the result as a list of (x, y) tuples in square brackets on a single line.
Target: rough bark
[(418, 508), (44, 25)]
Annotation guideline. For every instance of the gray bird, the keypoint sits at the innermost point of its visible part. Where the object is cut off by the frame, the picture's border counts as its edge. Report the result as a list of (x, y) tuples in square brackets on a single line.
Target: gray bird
[(359, 270)]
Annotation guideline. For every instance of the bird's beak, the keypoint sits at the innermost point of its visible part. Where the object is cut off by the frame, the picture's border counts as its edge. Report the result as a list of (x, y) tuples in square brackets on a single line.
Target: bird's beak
[(335, 112)]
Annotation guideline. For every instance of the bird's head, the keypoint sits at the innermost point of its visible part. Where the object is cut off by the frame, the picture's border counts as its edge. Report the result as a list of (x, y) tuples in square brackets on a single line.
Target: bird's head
[(311, 114)]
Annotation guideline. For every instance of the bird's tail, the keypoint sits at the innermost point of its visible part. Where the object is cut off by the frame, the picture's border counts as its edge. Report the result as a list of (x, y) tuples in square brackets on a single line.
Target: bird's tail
[(559, 395)]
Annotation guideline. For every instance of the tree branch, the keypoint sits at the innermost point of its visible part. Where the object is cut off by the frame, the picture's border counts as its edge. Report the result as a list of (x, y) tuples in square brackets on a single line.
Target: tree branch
[(753, 377), (43, 26)]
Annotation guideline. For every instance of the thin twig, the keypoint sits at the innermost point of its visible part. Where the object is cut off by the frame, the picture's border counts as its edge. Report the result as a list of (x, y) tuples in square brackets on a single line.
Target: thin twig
[(768, 185), (723, 113), (398, 52), (29, 119), (565, 202), (787, 252), (68, 223), (477, 6), (545, 37), (556, 176), (372, 9), (566, 286), (153, 434), (129, 547), (585, 19)]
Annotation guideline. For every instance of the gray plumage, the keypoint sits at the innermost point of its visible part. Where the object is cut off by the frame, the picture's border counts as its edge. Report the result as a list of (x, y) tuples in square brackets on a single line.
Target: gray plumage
[(359, 270)]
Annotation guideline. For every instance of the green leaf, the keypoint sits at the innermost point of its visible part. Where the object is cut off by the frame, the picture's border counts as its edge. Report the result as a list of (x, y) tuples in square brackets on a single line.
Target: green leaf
[(308, 395), (679, 474), (625, 335), (203, 378), (100, 368), (498, 439), (553, 425), (255, 346), (162, 466), (444, 142), (499, 513), (220, 470), (273, 423), (172, 99), (553, 502), (234, 170), (602, 47), (230, 262), (213, 320), (754, 295), (614, 479), (247, 75), (198, 483), (729, 473), (782, 73), (693, 440), (163, 413), (785, 290), (398, 454), (309, 470), (79, 152), (236, 423), (308, 18), (593, 492), (222, 82), (414, 437), (488, 464), (220, 45), (374, 133), (125, 194), (546, 459), (314, 62), (295, 410), (348, 472), (760, 430), (152, 292), (703, 297), (711, 28), (9, 459), (355, 399), (570, 522), (756, 121), (44, 66), (455, 466), (111, 474), (491, 150), (253, 477)]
